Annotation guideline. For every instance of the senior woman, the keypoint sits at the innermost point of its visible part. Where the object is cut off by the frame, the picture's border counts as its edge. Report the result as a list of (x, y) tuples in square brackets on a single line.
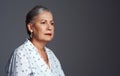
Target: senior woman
[(33, 58)]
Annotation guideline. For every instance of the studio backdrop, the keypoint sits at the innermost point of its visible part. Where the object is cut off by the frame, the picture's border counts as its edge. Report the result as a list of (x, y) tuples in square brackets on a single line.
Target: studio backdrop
[(86, 34)]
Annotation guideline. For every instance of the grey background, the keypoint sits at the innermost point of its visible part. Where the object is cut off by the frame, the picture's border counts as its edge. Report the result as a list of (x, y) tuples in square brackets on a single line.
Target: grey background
[(86, 39)]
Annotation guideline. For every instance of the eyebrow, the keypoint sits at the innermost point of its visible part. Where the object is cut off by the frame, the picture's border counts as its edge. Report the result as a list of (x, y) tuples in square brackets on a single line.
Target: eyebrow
[(45, 19)]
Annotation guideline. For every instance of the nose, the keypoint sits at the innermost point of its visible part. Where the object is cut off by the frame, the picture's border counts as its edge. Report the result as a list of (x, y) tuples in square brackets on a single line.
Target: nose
[(49, 26)]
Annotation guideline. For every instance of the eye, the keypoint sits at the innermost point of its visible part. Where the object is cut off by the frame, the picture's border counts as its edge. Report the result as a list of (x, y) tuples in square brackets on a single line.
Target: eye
[(52, 23), (43, 22)]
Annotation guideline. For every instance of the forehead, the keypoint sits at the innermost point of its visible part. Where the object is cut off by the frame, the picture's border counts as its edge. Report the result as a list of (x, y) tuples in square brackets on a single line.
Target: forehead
[(45, 15)]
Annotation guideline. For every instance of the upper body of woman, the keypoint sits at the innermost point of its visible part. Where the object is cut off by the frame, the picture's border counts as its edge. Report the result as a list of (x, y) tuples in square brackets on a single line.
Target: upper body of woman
[(33, 58)]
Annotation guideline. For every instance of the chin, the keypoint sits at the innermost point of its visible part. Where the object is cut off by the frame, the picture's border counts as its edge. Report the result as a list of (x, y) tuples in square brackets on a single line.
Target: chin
[(48, 39)]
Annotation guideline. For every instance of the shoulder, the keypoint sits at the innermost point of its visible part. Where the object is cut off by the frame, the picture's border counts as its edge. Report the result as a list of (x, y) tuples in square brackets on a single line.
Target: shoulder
[(22, 49)]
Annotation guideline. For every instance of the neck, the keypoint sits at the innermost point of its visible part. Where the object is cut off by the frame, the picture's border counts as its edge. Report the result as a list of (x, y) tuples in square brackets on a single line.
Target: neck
[(40, 45)]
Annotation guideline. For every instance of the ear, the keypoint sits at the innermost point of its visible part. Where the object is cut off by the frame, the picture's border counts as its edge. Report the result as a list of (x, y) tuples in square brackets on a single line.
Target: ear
[(30, 27)]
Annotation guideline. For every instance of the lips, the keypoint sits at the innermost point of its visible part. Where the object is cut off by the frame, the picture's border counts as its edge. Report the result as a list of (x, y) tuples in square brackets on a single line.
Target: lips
[(48, 34)]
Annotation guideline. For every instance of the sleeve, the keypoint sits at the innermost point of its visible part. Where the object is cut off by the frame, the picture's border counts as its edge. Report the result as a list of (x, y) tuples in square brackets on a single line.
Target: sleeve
[(19, 65)]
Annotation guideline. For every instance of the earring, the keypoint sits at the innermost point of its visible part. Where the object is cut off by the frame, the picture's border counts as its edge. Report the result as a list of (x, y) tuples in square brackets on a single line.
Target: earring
[(31, 34)]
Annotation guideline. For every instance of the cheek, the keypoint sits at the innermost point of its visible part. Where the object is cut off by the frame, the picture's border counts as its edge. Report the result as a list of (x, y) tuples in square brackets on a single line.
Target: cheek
[(37, 29), (53, 30)]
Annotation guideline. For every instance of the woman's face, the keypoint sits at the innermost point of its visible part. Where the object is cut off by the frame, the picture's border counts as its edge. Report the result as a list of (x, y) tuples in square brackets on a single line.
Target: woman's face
[(43, 26)]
